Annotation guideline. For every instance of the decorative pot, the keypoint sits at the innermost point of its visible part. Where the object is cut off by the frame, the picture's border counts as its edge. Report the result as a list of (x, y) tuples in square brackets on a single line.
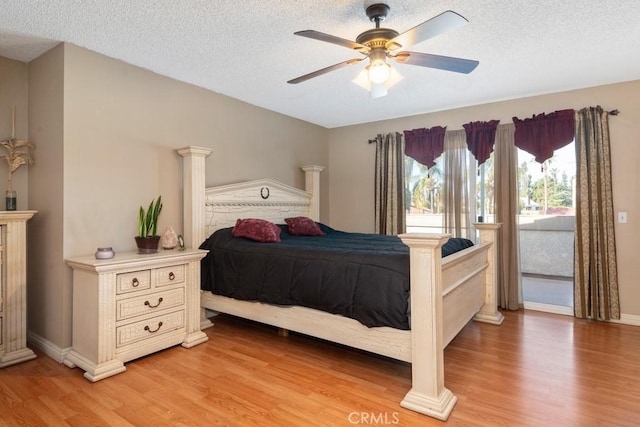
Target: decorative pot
[(105, 253), (11, 200), (147, 245)]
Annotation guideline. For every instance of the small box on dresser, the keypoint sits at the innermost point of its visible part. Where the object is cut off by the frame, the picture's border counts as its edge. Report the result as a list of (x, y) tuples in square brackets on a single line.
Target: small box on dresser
[(132, 305)]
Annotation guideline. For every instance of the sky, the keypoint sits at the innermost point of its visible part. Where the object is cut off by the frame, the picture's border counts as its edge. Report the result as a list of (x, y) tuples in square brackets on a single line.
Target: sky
[(564, 159)]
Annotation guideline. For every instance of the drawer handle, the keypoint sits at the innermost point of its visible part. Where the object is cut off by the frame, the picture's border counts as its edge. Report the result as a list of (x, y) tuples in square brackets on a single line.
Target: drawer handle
[(135, 282), (146, 328), (147, 303), (171, 275)]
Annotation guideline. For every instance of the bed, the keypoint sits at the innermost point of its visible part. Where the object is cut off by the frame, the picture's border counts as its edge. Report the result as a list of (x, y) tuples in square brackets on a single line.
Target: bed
[(444, 293), (363, 276)]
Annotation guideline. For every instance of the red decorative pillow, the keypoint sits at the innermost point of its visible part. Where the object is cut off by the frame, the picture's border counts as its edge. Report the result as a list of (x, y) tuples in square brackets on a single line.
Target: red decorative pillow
[(259, 230), (303, 226)]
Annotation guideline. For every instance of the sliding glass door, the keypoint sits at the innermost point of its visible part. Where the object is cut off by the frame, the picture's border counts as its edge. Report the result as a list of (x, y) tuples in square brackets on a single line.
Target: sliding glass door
[(546, 230)]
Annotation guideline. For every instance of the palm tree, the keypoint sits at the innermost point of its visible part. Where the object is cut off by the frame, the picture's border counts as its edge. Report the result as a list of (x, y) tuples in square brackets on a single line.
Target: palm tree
[(424, 189), (408, 179)]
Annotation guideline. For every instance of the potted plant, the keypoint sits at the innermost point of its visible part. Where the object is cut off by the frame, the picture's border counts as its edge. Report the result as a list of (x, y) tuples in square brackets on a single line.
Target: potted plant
[(147, 238)]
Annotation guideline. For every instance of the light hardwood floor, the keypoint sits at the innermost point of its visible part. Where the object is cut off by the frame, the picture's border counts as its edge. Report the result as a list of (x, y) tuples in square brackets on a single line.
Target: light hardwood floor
[(537, 369)]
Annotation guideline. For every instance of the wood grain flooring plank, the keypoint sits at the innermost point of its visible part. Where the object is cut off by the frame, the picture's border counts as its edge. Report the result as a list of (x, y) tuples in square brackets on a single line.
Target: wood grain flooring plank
[(537, 369)]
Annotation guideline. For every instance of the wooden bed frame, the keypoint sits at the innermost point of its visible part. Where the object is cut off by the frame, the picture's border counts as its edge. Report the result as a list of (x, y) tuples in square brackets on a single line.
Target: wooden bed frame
[(445, 294)]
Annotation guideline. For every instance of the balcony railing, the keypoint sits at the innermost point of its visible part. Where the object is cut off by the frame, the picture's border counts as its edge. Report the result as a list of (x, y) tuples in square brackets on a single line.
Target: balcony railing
[(546, 241)]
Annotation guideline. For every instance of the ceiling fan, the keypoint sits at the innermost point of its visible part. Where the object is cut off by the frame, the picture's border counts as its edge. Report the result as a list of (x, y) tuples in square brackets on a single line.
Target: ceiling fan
[(378, 44)]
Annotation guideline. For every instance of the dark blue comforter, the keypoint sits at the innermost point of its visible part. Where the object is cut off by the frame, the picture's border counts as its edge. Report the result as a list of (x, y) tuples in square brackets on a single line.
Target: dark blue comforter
[(362, 276)]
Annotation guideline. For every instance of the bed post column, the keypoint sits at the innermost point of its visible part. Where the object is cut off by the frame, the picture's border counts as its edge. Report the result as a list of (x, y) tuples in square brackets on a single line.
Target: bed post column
[(488, 233), (428, 394), (193, 181), (312, 185)]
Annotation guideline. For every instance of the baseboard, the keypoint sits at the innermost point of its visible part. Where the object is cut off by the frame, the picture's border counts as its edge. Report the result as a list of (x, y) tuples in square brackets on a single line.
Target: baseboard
[(628, 319), (625, 319), (37, 342), (549, 308)]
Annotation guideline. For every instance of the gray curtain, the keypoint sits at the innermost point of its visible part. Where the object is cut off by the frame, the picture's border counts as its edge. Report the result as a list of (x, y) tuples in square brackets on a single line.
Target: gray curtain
[(596, 273), (506, 200), (459, 180), (389, 184)]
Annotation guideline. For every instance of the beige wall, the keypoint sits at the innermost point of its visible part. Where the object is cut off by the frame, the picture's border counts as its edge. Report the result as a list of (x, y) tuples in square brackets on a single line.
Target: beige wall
[(49, 294), (122, 126), (351, 163), (111, 138), (13, 93)]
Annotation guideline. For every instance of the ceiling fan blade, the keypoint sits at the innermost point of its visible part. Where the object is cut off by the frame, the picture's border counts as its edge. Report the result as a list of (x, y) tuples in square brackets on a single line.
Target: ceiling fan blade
[(317, 35), (447, 63), (325, 70), (446, 21)]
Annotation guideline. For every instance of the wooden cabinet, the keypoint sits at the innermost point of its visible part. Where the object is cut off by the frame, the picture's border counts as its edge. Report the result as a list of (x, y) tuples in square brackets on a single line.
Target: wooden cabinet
[(13, 288), (133, 305)]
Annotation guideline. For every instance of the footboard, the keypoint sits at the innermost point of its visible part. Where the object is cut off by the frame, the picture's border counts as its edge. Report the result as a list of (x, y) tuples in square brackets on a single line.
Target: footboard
[(469, 284), (463, 276)]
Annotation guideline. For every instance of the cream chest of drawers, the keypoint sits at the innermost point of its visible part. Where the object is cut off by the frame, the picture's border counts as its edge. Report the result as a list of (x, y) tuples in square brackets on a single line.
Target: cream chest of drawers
[(13, 288), (133, 305)]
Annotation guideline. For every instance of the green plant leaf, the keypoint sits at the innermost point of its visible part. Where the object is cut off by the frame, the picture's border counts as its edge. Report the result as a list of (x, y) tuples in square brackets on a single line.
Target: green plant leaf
[(156, 213), (148, 220), (141, 224)]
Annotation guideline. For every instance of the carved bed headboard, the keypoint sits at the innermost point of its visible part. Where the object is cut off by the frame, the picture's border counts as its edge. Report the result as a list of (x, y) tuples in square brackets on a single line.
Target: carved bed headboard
[(209, 209), (266, 199)]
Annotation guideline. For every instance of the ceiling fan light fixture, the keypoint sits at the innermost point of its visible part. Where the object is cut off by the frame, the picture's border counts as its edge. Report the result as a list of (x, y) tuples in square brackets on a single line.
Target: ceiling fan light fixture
[(379, 71), (378, 90)]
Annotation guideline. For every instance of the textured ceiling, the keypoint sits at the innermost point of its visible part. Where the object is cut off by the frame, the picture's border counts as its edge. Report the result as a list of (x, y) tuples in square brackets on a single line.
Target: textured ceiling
[(246, 48)]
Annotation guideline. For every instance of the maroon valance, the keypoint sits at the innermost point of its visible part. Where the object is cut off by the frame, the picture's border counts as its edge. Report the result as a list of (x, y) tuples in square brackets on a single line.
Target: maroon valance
[(544, 133), (480, 138), (424, 145)]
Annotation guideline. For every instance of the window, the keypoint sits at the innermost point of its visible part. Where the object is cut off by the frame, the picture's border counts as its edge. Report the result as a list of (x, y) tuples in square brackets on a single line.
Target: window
[(547, 189), (485, 201), (423, 197)]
